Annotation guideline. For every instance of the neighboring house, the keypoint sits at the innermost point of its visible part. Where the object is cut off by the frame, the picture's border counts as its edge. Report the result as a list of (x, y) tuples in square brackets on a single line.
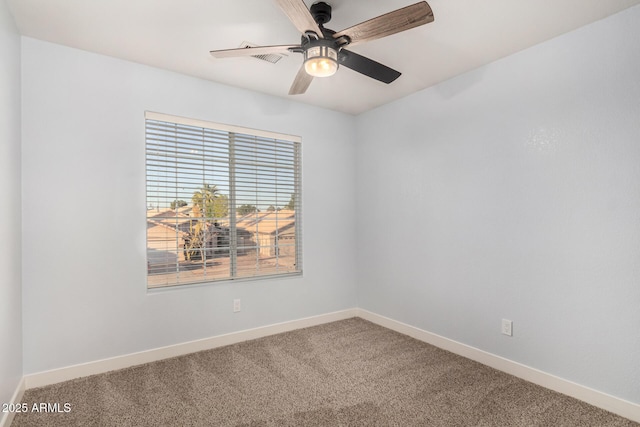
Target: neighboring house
[(166, 230), (273, 233), (178, 218)]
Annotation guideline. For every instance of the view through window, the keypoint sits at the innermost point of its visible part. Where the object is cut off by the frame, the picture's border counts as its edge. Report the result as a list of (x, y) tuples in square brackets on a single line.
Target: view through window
[(223, 202)]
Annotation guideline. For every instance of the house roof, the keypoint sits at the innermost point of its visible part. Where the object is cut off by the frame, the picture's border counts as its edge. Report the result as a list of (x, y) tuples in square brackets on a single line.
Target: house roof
[(268, 222), (282, 221)]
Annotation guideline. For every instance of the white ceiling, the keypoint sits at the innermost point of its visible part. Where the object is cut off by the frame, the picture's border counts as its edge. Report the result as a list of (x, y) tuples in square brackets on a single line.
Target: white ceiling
[(178, 35)]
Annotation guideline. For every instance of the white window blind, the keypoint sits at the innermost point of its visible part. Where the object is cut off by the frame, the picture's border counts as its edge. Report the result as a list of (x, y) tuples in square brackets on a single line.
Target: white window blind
[(223, 202)]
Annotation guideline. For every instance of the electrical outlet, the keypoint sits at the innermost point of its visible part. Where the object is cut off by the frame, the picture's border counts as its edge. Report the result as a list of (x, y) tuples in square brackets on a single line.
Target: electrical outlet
[(236, 305), (507, 327)]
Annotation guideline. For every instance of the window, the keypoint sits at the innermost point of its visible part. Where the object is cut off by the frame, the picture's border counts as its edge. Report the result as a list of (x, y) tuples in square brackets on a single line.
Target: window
[(223, 202)]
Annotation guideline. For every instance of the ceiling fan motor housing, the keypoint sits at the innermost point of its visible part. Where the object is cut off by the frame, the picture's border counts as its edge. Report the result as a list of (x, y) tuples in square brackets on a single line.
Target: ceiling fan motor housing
[(321, 12)]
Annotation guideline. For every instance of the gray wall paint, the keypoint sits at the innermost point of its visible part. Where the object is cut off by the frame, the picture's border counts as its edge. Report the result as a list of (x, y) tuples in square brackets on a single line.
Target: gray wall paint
[(10, 208), (84, 210), (513, 192)]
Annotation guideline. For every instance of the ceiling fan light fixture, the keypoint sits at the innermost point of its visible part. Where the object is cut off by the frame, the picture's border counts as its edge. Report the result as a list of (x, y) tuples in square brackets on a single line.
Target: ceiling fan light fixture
[(321, 61)]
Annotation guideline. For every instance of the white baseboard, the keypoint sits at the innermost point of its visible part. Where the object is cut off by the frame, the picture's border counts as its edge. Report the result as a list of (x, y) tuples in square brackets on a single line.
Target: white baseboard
[(7, 418), (593, 397), (120, 362)]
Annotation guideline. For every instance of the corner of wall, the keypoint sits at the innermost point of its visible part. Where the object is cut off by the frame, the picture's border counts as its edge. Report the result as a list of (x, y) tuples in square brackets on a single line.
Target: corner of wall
[(11, 374)]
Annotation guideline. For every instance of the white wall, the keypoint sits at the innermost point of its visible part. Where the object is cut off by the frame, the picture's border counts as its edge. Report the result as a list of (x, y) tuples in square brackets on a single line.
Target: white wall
[(85, 294), (513, 192), (10, 208)]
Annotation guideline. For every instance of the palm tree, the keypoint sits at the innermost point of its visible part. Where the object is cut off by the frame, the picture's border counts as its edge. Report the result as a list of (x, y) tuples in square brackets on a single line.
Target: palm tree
[(204, 199)]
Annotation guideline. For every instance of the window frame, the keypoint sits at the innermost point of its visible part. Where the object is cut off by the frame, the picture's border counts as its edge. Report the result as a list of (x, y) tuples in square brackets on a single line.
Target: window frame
[(232, 132)]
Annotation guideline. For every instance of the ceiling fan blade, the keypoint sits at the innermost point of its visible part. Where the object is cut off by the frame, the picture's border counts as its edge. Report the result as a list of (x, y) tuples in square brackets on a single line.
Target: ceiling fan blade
[(367, 66), (389, 23), (301, 82), (251, 51), (299, 15)]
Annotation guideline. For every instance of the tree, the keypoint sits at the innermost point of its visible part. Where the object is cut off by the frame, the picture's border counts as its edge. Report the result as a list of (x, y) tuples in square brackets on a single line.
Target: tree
[(271, 209), (177, 204), (209, 203), (247, 209), (292, 203), (197, 240), (221, 206)]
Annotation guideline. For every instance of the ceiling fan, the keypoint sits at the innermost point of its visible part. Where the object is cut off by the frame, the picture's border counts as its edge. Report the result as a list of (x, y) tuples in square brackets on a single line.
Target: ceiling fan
[(324, 49)]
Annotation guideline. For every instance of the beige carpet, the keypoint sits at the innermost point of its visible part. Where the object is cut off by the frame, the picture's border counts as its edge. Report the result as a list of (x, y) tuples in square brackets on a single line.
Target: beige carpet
[(347, 373)]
